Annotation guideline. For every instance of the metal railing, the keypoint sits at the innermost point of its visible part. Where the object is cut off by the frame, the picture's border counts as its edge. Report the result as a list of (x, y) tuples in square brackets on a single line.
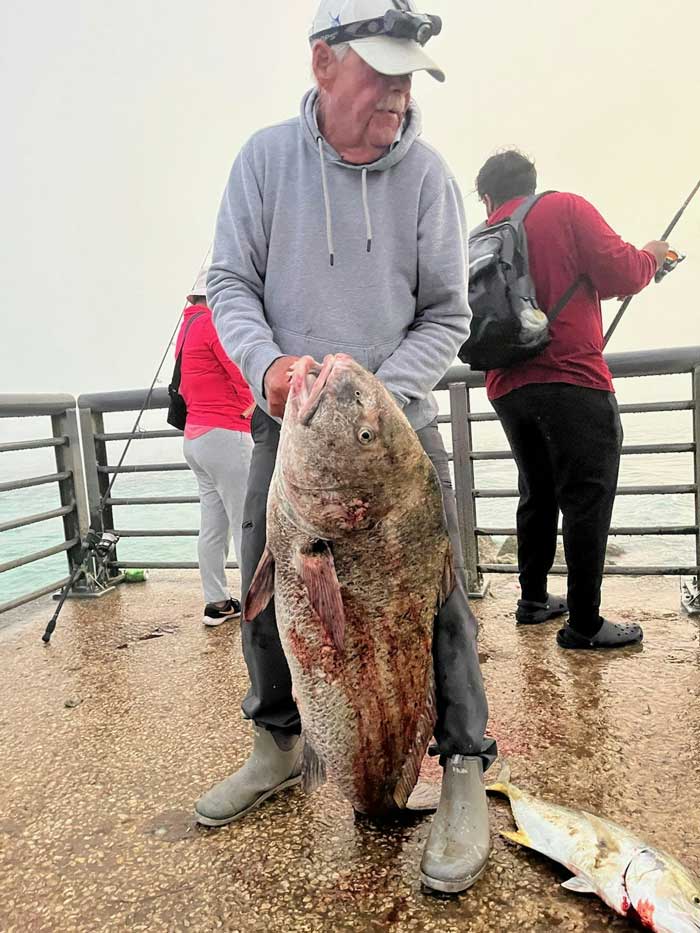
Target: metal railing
[(460, 380), (92, 471), (69, 476), (98, 470)]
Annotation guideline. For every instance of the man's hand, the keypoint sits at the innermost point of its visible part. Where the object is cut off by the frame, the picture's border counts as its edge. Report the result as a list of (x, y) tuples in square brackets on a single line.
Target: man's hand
[(658, 249), (276, 384)]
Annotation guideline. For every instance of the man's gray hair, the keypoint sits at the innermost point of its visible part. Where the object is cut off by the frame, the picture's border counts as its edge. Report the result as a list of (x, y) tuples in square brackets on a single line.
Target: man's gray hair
[(340, 50)]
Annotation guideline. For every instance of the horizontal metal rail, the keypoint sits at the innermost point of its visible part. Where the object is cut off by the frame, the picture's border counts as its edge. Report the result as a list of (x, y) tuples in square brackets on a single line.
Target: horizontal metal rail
[(622, 532), (633, 450), (159, 533), (144, 468), (36, 594), (688, 490), (39, 517), (163, 565), (34, 481), (155, 500), (33, 445), (38, 555), (35, 405), (641, 408), (139, 436), (666, 362), (614, 570)]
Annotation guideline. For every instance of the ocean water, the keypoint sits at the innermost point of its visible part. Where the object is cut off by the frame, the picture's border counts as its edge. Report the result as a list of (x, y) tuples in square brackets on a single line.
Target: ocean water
[(673, 427)]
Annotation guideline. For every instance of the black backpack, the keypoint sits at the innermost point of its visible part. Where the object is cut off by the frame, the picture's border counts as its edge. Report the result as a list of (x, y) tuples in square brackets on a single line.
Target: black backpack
[(177, 409), (507, 325)]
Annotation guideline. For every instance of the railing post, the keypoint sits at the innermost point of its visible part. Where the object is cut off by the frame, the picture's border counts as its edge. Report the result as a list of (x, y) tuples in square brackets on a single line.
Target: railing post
[(69, 459), (696, 460), (94, 455), (464, 485)]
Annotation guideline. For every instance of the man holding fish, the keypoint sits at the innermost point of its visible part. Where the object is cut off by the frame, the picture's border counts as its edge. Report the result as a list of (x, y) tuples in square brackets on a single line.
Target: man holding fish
[(341, 236)]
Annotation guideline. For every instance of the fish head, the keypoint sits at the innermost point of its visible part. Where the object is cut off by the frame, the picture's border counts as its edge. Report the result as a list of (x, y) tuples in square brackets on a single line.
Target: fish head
[(663, 894), (345, 445)]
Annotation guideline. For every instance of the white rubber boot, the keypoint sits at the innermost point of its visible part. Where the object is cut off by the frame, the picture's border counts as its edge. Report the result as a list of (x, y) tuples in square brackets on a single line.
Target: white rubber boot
[(269, 770), (459, 843)]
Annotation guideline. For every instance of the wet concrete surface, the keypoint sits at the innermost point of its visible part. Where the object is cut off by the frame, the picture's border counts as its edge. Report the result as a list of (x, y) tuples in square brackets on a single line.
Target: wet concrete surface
[(108, 737)]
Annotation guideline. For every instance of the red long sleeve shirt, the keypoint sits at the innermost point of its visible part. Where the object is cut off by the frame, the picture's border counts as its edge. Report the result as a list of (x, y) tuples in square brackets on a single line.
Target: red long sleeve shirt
[(567, 238), (212, 386)]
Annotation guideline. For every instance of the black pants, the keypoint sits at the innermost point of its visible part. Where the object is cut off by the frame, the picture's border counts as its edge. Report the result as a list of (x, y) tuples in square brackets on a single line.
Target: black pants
[(461, 701), (566, 441)]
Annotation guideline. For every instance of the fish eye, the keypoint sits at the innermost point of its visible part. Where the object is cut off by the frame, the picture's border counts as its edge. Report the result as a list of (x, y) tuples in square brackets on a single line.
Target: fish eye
[(365, 435), (696, 900)]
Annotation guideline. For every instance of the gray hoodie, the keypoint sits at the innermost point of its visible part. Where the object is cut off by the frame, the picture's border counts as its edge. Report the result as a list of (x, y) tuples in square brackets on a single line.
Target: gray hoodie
[(314, 255)]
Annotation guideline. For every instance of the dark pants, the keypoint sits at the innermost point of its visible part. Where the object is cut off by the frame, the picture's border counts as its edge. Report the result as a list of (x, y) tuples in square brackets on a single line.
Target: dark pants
[(566, 441), (461, 701)]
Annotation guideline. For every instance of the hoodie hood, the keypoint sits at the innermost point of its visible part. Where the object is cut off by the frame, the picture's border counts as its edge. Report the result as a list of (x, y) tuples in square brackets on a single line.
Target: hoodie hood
[(328, 156), (412, 128)]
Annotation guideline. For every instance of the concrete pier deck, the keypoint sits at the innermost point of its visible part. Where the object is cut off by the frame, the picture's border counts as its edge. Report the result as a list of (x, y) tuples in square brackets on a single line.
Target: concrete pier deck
[(109, 735)]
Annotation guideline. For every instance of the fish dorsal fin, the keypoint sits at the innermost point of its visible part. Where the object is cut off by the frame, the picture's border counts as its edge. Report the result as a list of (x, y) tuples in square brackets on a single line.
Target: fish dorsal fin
[(262, 588), (449, 579), (578, 886), (411, 767), (313, 770), (315, 565)]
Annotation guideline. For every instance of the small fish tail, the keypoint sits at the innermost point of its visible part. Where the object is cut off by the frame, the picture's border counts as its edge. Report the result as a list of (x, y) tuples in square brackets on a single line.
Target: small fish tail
[(502, 785)]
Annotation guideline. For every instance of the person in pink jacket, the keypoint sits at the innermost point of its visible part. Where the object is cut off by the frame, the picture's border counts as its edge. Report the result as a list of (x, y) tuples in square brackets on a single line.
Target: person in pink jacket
[(217, 447)]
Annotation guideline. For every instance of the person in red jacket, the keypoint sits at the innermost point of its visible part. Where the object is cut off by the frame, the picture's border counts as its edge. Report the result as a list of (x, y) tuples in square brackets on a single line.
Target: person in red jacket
[(558, 409), (217, 447)]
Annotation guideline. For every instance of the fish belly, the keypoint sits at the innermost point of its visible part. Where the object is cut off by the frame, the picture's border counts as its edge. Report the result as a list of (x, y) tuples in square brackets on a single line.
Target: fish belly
[(362, 711)]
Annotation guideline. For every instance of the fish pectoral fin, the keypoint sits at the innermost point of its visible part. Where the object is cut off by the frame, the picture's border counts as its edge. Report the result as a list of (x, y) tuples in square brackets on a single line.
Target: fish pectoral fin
[(262, 588), (411, 767), (578, 886), (313, 770), (316, 567), (520, 837)]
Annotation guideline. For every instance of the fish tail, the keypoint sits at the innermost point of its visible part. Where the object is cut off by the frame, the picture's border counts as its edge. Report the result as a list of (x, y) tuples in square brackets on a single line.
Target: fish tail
[(502, 785)]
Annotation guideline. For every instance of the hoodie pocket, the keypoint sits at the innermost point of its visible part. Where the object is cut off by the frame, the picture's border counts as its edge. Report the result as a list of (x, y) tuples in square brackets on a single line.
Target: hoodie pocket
[(293, 344)]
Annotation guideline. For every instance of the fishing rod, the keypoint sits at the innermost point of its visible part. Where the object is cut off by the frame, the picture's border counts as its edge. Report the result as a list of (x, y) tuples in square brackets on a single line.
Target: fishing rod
[(673, 258), (98, 546)]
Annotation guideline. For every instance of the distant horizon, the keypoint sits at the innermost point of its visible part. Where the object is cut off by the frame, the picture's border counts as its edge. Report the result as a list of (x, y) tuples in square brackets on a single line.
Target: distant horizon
[(119, 136)]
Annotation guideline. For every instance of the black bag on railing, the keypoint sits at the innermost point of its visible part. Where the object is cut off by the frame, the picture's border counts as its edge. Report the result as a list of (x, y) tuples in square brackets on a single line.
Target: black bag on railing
[(177, 409)]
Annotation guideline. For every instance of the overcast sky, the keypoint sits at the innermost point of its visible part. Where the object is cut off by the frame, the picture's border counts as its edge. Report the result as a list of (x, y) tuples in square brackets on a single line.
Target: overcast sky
[(121, 120)]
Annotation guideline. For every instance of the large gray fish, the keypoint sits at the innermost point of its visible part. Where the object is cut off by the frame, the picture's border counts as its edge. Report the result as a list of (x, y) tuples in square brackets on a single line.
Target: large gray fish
[(635, 879), (359, 561)]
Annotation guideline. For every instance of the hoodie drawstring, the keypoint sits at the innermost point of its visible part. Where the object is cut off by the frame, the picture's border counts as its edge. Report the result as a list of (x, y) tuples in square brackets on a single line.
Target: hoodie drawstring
[(326, 201), (327, 205), (365, 204)]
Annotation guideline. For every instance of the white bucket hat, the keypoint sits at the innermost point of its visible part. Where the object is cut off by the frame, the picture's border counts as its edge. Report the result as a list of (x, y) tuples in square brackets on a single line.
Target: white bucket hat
[(200, 283), (388, 52)]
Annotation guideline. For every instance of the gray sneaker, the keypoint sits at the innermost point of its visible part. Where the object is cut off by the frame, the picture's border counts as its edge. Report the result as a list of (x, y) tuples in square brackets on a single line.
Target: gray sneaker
[(459, 843), (269, 770)]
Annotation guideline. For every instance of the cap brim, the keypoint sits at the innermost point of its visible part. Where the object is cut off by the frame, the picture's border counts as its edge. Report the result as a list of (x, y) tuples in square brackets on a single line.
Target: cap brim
[(396, 56)]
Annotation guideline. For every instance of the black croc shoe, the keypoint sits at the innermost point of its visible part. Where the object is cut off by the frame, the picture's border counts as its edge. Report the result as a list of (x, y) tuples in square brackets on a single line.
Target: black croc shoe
[(610, 635), (531, 613)]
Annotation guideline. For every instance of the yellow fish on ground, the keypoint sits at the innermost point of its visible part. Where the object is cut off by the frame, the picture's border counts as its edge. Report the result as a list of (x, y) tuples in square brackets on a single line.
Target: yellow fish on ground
[(635, 879)]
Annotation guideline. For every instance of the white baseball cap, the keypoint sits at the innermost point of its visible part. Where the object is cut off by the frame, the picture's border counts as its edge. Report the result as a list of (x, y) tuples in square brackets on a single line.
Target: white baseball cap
[(386, 53), (200, 283)]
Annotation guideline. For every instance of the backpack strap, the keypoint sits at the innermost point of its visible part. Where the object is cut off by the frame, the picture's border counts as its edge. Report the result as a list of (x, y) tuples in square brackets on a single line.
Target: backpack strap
[(565, 299), (177, 371), (523, 209)]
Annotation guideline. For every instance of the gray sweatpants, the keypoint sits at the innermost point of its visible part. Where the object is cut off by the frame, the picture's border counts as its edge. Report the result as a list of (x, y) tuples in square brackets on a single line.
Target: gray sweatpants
[(220, 459)]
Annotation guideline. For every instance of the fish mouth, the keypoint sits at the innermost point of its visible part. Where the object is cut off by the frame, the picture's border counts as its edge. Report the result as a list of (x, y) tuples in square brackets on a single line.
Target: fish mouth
[(309, 380)]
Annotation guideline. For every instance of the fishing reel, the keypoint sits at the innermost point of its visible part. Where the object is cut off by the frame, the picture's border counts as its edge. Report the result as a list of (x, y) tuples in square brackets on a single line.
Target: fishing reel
[(672, 260), (398, 24)]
